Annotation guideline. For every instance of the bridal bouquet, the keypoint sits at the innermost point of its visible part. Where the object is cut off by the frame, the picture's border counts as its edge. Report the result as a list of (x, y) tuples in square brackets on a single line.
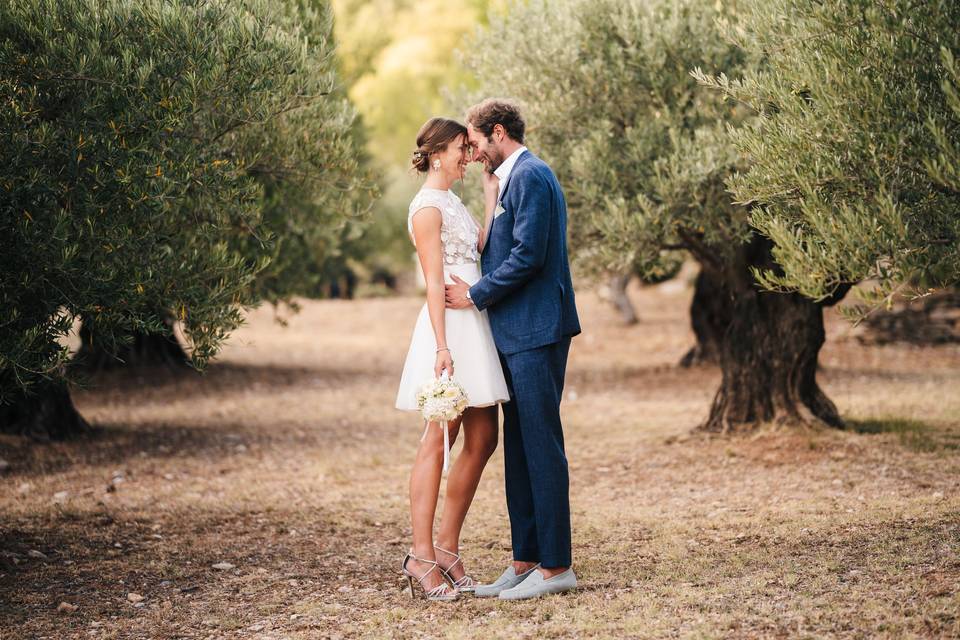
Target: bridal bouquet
[(441, 400)]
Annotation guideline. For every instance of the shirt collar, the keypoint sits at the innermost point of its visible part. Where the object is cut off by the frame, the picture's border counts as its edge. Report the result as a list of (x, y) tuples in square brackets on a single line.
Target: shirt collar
[(503, 171)]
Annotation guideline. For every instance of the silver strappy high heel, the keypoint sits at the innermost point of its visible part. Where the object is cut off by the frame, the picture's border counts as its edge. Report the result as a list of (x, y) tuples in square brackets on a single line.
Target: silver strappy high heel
[(443, 592), (465, 584)]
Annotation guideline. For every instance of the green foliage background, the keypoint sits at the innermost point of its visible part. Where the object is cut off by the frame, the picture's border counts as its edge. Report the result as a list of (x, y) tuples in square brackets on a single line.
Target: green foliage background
[(641, 150), (399, 61), (854, 161), (163, 156)]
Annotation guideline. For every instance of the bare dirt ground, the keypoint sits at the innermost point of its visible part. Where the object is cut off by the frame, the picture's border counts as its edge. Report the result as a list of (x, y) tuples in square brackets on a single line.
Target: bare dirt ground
[(287, 461)]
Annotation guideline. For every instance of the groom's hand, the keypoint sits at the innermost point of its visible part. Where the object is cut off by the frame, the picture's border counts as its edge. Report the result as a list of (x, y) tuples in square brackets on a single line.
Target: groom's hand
[(456, 294)]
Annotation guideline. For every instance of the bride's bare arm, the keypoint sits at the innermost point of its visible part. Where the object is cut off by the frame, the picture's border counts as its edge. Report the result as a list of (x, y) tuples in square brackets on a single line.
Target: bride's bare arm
[(426, 233), (491, 189)]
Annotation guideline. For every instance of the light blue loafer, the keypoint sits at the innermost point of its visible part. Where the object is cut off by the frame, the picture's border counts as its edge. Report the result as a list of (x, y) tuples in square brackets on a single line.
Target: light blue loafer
[(507, 579), (535, 585)]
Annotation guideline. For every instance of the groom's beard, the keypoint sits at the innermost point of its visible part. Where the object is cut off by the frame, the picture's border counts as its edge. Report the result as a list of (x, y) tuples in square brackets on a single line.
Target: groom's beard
[(495, 161)]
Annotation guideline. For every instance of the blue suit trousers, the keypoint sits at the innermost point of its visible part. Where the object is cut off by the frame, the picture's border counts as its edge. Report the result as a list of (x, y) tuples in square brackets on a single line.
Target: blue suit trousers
[(537, 479)]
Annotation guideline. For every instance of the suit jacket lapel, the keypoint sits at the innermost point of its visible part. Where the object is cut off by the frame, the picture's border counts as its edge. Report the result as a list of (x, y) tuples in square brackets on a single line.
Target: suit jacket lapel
[(503, 194)]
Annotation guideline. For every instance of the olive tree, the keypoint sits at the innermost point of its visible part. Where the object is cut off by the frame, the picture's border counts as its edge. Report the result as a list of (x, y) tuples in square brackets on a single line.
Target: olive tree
[(151, 155), (644, 153), (854, 162)]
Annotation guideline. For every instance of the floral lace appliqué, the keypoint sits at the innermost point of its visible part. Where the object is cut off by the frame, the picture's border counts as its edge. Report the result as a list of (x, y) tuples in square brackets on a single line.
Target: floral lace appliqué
[(458, 230)]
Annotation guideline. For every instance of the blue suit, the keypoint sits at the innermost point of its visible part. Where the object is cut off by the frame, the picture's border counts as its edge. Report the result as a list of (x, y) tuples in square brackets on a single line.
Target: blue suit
[(528, 293)]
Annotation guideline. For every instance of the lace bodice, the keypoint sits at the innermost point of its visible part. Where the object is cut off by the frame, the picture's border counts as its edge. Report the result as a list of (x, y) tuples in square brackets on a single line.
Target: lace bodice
[(458, 230)]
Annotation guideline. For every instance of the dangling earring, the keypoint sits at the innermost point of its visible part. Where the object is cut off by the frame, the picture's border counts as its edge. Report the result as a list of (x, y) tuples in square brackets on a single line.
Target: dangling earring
[(436, 164)]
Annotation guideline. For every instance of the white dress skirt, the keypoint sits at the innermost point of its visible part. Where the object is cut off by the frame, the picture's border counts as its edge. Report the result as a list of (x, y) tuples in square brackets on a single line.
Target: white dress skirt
[(476, 364)]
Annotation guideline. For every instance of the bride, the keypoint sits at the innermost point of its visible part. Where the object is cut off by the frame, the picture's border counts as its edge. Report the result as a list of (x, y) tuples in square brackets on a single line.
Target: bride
[(448, 242)]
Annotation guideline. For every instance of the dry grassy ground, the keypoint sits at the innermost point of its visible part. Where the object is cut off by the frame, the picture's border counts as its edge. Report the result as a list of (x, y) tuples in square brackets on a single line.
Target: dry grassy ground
[(287, 461)]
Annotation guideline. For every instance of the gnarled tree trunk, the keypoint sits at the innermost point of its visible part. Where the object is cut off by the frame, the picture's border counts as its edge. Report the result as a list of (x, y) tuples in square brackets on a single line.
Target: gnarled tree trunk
[(145, 350), (617, 285), (769, 363), (709, 318), (47, 413), (932, 319), (769, 352)]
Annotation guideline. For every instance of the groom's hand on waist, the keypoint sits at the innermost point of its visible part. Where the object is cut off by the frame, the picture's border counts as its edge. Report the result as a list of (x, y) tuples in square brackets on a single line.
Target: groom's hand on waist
[(456, 294)]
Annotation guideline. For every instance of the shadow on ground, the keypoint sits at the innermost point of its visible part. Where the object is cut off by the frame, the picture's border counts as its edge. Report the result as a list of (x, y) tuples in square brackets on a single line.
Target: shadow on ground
[(913, 434)]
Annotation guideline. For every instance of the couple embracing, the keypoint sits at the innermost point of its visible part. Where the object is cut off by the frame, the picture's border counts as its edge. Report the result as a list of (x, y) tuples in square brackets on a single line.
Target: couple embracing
[(500, 313)]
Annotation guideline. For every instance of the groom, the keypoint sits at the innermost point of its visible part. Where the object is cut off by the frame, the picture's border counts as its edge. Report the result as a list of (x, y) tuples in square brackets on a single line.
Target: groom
[(528, 293)]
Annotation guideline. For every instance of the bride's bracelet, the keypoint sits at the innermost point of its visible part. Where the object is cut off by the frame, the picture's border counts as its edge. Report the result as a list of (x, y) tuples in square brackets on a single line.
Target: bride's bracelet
[(442, 349)]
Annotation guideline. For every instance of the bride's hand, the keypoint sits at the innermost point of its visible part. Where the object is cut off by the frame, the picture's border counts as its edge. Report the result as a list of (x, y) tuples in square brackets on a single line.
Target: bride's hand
[(444, 361), (481, 239), (491, 189)]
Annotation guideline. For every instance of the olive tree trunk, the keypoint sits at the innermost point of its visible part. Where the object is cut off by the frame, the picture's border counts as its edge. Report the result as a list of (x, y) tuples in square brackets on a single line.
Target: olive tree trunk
[(144, 350), (768, 352), (617, 286), (709, 318), (47, 413)]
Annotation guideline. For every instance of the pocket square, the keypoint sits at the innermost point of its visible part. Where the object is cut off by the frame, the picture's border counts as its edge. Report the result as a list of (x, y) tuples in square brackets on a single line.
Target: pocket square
[(498, 210)]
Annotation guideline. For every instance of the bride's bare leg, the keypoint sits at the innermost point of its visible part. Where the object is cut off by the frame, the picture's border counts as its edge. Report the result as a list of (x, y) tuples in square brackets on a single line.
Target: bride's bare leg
[(480, 432), (424, 491)]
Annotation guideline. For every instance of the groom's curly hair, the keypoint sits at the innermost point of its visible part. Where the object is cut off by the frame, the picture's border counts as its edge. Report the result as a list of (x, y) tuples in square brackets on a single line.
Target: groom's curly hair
[(494, 111)]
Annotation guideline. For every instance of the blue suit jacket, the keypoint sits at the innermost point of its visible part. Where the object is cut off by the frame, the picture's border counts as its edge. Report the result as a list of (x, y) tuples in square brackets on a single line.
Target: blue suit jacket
[(526, 287)]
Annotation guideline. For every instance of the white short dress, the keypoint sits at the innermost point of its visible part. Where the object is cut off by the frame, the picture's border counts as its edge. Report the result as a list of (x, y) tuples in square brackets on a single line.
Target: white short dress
[(476, 364)]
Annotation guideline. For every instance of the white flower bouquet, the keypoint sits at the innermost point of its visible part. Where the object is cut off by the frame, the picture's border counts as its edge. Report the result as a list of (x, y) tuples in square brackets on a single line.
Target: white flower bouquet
[(441, 400)]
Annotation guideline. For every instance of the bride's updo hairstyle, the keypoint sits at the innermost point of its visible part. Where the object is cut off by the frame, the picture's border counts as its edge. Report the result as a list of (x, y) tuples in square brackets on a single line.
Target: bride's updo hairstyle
[(434, 136)]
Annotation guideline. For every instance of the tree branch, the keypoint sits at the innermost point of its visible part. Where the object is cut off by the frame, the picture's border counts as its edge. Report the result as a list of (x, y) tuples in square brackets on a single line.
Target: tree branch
[(695, 244)]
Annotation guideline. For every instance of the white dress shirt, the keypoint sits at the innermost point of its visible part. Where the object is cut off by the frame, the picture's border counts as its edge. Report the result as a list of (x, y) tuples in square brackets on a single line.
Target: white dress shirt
[(503, 171)]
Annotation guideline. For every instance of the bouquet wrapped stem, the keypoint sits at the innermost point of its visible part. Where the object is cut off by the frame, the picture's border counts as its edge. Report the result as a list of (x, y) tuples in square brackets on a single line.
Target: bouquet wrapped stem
[(441, 400)]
